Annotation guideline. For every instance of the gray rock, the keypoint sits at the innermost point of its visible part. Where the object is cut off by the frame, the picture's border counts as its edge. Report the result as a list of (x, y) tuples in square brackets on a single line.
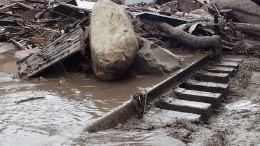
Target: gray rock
[(154, 60), (114, 44)]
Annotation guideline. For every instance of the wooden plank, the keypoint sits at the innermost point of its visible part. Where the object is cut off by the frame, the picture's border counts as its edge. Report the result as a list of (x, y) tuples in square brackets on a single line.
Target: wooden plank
[(200, 108), (62, 48), (7, 7)]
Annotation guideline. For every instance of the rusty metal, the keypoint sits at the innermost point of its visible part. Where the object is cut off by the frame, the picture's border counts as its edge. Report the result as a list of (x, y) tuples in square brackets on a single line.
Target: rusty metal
[(176, 79), (137, 105), (62, 48), (162, 18)]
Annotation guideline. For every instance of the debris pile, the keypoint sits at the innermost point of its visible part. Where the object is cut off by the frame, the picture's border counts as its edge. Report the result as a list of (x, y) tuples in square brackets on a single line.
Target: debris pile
[(58, 29)]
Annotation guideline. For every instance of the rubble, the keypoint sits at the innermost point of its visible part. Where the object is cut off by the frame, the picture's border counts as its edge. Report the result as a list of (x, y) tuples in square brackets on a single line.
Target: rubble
[(113, 42), (212, 26), (243, 10), (47, 33), (62, 48)]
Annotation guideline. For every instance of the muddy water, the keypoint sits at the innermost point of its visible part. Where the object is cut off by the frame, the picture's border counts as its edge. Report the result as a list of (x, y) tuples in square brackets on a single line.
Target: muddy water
[(7, 60), (60, 108)]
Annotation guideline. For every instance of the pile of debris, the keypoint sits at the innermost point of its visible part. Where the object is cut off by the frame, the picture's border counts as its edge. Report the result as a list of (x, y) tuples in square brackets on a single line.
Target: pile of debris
[(129, 35)]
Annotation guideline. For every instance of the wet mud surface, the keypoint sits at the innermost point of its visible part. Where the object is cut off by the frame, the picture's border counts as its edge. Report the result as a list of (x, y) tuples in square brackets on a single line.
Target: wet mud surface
[(56, 110), (236, 122)]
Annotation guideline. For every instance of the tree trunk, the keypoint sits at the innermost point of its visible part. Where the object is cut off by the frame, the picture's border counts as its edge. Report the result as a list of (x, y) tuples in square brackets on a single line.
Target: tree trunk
[(250, 29), (194, 42)]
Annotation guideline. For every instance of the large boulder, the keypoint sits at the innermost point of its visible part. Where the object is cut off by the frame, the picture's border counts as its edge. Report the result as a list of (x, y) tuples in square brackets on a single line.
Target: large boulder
[(114, 44), (155, 60)]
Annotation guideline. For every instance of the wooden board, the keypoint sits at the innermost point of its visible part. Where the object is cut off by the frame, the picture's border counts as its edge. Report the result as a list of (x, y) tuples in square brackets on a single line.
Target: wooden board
[(62, 48)]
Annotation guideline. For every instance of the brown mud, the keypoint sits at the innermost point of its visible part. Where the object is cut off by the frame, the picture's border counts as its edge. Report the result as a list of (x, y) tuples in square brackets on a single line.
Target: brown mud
[(65, 103), (236, 122), (68, 103)]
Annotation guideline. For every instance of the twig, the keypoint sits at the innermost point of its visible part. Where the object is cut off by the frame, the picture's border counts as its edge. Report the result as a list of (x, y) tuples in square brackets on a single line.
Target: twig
[(216, 9), (209, 7), (63, 67), (29, 99), (7, 7)]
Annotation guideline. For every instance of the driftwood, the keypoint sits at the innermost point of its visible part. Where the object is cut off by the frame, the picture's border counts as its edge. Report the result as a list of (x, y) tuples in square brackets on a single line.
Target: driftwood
[(195, 42), (250, 29), (29, 99)]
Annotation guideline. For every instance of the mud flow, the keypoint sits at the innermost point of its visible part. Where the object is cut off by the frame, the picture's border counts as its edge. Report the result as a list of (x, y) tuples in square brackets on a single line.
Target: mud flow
[(235, 122), (55, 111)]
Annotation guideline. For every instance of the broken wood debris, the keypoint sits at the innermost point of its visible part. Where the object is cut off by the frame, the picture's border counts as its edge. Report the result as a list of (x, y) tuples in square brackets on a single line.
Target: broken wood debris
[(63, 47), (193, 24)]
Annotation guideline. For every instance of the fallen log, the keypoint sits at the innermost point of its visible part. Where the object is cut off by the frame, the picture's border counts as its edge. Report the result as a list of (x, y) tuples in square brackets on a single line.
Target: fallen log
[(195, 42), (250, 29)]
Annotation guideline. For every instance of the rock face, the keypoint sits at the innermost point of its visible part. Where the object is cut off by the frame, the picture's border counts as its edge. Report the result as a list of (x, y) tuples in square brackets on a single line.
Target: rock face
[(114, 44), (154, 60)]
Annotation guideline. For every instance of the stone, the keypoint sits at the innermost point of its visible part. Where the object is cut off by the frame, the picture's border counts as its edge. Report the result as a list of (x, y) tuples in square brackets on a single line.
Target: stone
[(113, 41), (155, 60)]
